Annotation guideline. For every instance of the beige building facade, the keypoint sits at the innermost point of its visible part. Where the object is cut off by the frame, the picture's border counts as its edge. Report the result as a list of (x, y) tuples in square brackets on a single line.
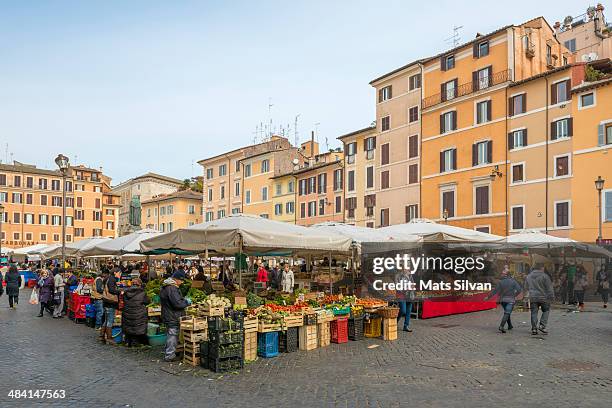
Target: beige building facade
[(168, 212)]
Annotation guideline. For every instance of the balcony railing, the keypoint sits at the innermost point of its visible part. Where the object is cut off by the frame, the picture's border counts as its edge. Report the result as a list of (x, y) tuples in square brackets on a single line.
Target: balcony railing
[(468, 88)]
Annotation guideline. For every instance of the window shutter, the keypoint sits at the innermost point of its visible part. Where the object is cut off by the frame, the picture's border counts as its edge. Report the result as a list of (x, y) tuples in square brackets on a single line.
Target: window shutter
[(335, 180), (490, 75), (553, 94), (510, 141), (441, 162), (374, 142), (454, 159), (454, 115), (474, 81), (443, 63), (490, 151), (525, 137), (524, 97), (553, 130), (474, 154), (570, 126), (601, 133), (456, 87), (489, 113), (346, 149), (365, 145), (441, 124), (475, 50), (390, 91), (568, 90), (443, 92), (380, 95), (510, 107)]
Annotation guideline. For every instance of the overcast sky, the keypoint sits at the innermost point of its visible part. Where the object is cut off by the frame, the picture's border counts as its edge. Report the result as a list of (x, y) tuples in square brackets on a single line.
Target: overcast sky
[(137, 86)]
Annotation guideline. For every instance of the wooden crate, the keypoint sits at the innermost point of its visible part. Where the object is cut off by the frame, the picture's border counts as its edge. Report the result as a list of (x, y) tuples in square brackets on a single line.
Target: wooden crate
[(212, 311), (308, 337), (195, 336), (268, 327), (390, 329), (250, 324), (191, 323), (293, 321), (191, 347), (191, 358), (250, 346), (154, 311), (323, 334)]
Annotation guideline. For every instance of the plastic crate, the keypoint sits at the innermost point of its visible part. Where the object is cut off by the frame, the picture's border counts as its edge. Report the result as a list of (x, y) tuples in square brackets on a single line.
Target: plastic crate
[(222, 365), (339, 330), (288, 340), (310, 319), (373, 327), (267, 344), (217, 337), (355, 328), (225, 351), (221, 324), (342, 311)]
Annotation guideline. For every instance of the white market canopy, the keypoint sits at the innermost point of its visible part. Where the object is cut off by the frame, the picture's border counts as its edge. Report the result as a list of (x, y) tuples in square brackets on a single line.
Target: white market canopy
[(430, 231), (250, 234), (537, 240), (28, 250), (363, 234), (127, 244), (72, 249)]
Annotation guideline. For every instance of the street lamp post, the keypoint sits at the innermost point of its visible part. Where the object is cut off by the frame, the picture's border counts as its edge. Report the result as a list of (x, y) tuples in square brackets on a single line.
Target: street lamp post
[(599, 185), (63, 165)]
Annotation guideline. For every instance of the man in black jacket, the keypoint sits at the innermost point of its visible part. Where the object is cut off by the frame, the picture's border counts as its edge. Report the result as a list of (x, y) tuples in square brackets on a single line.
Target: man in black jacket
[(173, 306), (507, 290)]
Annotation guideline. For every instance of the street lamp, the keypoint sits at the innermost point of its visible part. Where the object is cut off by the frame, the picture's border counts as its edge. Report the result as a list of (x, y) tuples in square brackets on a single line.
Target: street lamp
[(599, 185), (1, 219), (63, 165)]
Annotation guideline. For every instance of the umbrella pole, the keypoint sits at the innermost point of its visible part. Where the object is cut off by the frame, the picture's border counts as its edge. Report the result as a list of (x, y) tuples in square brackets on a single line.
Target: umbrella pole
[(240, 264), (331, 281)]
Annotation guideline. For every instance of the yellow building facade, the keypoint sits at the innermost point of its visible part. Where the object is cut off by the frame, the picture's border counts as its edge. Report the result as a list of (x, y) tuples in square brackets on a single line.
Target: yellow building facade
[(169, 212)]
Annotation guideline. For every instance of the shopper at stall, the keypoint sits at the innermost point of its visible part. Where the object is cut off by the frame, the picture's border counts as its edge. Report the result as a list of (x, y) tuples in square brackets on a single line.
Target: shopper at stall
[(173, 306), (541, 294), (405, 297), (13, 282), (603, 285), (71, 281), (580, 285), (507, 290), (110, 300), (45, 292), (134, 314), (262, 274), (288, 280), (96, 295), (58, 293)]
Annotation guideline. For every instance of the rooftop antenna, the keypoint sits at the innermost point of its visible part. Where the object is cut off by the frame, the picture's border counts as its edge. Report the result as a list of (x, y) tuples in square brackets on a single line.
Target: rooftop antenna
[(6, 156), (317, 130), (295, 130), (326, 144), (455, 38), (270, 105)]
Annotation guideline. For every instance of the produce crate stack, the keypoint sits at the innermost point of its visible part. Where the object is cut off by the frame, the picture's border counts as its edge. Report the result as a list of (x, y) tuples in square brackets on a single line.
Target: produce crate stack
[(373, 326), (194, 330), (308, 337), (323, 334), (250, 338), (355, 328), (390, 328), (224, 350), (339, 330), (267, 344), (288, 340)]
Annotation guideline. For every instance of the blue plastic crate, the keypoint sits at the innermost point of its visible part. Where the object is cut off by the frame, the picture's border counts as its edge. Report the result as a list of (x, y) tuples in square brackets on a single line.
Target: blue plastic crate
[(90, 310), (267, 344)]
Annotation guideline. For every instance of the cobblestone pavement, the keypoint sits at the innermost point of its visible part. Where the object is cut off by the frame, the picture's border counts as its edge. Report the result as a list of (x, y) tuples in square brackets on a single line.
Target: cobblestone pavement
[(446, 362)]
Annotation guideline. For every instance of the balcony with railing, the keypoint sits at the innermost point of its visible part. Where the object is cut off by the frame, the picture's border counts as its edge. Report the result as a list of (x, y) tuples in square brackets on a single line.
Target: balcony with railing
[(468, 88)]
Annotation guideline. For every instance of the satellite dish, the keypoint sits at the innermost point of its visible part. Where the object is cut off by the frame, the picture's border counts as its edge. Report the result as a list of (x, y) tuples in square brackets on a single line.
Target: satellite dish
[(295, 162), (568, 20)]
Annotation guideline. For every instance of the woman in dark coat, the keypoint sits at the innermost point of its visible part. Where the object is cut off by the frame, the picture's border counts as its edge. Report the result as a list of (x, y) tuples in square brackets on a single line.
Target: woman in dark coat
[(13, 282), (45, 292), (134, 315)]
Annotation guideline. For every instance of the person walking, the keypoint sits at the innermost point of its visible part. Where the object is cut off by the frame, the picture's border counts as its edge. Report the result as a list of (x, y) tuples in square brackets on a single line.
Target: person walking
[(13, 282), (603, 285), (541, 293), (59, 296), (70, 282), (134, 315), (96, 295), (287, 279), (580, 285), (173, 306), (110, 300), (507, 289), (262, 274), (405, 296), (45, 292)]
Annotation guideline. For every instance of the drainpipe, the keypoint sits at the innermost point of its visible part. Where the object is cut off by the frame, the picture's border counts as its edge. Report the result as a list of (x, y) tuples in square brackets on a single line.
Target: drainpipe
[(295, 203), (420, 209), (506, 164), (547, 137)]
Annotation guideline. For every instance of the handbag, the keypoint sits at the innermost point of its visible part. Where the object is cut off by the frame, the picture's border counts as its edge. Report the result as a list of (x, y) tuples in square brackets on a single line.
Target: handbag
[(57, 298), (109, 297)]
